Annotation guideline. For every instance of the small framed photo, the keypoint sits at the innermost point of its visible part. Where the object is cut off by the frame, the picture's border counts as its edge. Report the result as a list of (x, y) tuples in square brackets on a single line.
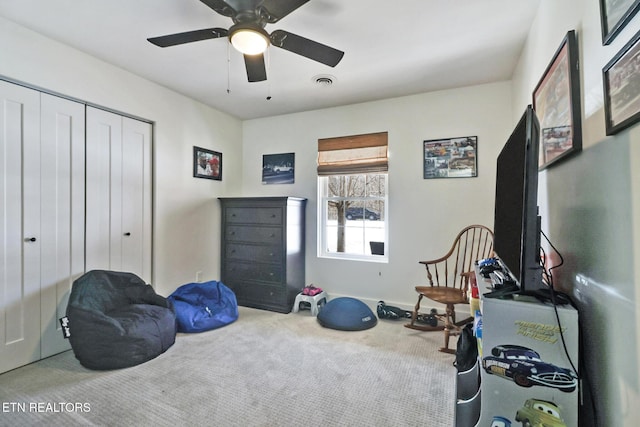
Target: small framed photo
[(621, 79), (278, 168), (615, 15), (556, 101), (450, 158), (207, 164)]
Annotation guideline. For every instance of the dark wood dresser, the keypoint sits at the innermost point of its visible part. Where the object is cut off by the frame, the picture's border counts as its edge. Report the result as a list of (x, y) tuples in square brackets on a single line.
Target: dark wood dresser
[(263, 250)]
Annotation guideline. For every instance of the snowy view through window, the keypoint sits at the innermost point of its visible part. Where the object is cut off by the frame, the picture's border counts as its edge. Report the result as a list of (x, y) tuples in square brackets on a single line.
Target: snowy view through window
[(353, 214)]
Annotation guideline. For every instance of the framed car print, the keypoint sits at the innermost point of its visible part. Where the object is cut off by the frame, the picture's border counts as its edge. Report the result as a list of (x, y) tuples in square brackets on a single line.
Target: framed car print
[(556, 101), (615, 15), (621, 79), (278, 168), (450, 158)]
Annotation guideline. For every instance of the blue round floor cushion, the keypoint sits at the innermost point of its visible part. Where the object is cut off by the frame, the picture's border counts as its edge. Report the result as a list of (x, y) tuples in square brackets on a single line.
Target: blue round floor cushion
[(347, 314), (203, 306)]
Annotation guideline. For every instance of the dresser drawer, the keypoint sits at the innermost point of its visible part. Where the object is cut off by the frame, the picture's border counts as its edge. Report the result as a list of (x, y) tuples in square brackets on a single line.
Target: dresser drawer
[(239, 233), (239, 215), (243, 271), (258, 253), (261, 295)]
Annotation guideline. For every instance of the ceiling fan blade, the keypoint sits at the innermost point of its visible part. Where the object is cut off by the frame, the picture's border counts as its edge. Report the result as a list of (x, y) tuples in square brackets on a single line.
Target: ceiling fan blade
[(278, 9), (307, 48), (220, 6), (256, 71), (188, 37)]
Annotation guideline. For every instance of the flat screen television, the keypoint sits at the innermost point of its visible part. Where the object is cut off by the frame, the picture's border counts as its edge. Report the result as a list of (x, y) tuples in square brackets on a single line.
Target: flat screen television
[(516, 221)]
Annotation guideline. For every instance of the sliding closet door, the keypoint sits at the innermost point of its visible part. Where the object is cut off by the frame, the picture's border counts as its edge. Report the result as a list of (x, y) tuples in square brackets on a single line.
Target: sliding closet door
[(19, 226), (136, 197), (104, 186), (118, 232), (62, 213)]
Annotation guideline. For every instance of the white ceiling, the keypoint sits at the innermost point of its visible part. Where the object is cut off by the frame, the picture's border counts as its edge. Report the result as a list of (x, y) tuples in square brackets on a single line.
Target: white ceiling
[(392, 48)]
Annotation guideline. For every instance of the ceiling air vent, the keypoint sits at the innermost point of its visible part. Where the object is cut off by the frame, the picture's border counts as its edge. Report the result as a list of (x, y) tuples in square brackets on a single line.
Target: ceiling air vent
[(324, 80)]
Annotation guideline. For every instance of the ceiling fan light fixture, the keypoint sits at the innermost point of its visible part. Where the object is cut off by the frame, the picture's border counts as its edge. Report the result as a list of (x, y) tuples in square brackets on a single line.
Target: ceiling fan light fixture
[(249, 39)]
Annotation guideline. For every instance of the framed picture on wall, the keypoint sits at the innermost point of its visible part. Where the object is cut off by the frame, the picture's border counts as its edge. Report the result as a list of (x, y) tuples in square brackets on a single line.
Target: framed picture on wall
[(621, 79), (278, 168), (556, 101), (207, 164), (450, 158), (615, 15)]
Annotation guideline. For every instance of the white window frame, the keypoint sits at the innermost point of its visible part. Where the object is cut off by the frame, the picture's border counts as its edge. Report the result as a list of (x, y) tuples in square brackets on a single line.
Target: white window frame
[(322, 225)]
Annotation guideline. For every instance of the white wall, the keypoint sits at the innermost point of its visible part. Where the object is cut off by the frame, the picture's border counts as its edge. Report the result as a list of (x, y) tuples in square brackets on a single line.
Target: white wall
[(590, 206), (424, 215), (186, 210)]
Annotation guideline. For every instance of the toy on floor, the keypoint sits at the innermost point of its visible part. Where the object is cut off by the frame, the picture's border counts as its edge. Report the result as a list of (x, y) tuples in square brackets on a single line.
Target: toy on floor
[(395, 313), (311, 290)]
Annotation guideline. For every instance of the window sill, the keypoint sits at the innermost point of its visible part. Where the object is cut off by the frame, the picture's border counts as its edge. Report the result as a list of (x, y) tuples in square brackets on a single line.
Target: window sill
[(380, 259)]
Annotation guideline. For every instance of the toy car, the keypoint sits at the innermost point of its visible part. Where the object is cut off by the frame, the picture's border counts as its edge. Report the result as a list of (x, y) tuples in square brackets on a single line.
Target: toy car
[(525, 368), (282, 169), (540, 413), (500, 422)]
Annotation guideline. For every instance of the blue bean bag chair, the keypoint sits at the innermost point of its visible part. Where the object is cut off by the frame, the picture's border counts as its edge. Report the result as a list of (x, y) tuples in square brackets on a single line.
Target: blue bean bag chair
[(116, 320), (204, 306), (347, 314)]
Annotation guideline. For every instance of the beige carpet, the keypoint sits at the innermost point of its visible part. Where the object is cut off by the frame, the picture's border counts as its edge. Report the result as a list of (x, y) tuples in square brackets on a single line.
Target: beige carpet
[(266, 369)]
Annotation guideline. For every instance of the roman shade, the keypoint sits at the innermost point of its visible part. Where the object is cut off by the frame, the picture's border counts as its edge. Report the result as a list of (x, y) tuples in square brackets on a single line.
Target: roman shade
[(354, 154)]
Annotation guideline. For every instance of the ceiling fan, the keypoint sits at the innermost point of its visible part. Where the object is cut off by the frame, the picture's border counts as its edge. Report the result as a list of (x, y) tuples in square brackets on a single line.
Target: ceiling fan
[(247, 34)]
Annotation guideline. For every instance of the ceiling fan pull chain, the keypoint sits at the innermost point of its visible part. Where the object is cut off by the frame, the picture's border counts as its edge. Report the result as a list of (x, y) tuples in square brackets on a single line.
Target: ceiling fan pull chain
[(228, 67), (268, 72)]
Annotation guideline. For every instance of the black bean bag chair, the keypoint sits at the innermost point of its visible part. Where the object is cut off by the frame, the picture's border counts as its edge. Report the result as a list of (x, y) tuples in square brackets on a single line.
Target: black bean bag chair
[(116, 320), (204, 306)]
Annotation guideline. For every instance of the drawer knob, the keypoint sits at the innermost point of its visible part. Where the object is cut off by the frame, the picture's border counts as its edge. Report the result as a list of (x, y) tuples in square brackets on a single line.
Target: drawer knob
[(127, 234), (30, 239)]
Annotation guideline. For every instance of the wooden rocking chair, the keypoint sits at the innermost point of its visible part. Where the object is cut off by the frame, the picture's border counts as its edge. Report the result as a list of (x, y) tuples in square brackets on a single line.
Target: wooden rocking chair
[(449, 280)]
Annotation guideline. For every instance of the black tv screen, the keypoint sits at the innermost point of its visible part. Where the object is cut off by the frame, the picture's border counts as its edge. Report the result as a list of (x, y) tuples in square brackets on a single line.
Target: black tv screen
[(516, 220)]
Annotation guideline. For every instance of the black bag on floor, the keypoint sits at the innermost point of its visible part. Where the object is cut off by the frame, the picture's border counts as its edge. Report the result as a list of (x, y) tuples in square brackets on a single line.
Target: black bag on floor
[(395, 313), (390, 312), (467, 349)]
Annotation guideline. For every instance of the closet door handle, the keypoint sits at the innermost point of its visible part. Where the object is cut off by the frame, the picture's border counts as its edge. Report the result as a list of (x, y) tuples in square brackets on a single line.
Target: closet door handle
[(30, 239), (127, 234)]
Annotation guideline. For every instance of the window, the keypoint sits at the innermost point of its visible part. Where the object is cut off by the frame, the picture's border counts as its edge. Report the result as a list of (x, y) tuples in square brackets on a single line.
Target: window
[(352, 197), (353, 215)]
